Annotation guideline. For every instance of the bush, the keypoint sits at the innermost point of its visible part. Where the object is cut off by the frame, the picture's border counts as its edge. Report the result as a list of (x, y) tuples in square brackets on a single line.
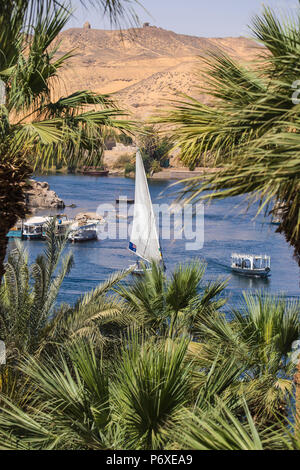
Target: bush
[(155, 166), (154, 148), (129, 168), (125, 139)]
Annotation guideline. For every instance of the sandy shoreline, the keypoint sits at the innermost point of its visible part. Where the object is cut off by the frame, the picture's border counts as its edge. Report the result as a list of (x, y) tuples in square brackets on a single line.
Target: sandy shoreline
[(181, 173), (171, 173)]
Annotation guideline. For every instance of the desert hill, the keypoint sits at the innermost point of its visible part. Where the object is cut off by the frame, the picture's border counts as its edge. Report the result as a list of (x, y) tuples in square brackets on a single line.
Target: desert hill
[(144, 67)]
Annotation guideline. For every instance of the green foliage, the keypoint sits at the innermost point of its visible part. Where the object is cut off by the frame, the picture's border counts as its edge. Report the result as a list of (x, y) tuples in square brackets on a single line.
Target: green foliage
[(125, 139), (38, 131), (28, 294), (123, 160), (31, 321), (172, 305), (258, 338), (222, 430), (155, 167), (141, 398), (46, 132), (154, 149), (252, 129), (129, 168), (181, 376)]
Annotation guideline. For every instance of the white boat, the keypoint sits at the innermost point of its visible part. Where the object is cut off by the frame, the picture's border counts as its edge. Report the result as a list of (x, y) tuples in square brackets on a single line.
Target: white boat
[(276, 221), (144, 240), (81, 233), (63, 225), (251, 265), (33, 228)]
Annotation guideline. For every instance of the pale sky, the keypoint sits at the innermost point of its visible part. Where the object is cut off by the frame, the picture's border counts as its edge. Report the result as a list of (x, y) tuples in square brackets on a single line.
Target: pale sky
[(210, 18)]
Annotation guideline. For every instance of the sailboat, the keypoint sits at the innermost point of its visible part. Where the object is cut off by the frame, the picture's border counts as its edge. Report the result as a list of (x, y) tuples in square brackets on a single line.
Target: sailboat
[(144, 240)]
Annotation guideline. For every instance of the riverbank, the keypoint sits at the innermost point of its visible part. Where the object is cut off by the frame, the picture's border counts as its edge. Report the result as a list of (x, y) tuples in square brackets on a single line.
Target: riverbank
[(169, 173), (181, 173)]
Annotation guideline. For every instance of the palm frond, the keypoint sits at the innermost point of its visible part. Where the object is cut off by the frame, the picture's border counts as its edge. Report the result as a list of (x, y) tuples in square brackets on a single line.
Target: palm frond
[(251, 129), (221, 430)]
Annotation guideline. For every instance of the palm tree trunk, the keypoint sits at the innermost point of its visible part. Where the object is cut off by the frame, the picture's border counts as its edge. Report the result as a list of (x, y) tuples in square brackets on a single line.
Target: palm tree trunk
[(13, 175), (3, 246)]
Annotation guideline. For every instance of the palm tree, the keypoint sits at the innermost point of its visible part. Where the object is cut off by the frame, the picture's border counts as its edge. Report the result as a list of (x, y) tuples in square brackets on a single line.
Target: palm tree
[(28, 294), (192, 378), (93, 405), (174, 304), (32, 323), (256, 340), (252, 129), (222, 430), (36, 129), (141, 398)]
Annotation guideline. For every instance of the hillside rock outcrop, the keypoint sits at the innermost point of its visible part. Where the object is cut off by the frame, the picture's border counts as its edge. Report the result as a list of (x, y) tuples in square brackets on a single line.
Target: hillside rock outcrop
[(40, 196)]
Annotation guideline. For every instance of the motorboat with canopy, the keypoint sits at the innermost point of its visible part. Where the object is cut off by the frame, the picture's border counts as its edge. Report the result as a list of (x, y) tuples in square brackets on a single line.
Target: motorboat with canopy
[(251, 265)]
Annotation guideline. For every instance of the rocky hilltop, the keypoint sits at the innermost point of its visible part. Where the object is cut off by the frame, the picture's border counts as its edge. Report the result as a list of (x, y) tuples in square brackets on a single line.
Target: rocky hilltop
[(144, 67)]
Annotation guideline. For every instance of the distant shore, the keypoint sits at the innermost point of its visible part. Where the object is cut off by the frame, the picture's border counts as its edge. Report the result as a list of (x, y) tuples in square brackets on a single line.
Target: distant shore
[(164, 174), (169, 173), (181, 173)]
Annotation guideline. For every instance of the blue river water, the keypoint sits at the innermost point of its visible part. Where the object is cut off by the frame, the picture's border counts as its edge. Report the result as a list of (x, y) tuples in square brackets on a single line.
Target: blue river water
[(227, 228)]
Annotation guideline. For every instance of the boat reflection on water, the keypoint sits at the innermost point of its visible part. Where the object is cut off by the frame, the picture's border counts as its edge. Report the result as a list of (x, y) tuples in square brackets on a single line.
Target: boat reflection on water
[(247, 282)]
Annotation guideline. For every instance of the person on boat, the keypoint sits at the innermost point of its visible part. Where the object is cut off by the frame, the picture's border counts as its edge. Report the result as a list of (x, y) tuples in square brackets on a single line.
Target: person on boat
[(138, 264)]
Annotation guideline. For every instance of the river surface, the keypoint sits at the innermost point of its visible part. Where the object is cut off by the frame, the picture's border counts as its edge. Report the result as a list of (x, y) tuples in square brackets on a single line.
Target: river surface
[(227, 229)]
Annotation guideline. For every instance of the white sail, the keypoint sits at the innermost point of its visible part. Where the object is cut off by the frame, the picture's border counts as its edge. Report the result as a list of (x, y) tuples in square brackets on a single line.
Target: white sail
[(144, 241)]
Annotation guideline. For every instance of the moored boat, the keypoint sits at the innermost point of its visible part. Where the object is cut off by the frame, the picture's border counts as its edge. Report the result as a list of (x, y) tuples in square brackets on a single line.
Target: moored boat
[(277, 214), (94, 171), (251, 265), (81, 233), (63, 225), (16, 231), (33, 228), (276, 221)]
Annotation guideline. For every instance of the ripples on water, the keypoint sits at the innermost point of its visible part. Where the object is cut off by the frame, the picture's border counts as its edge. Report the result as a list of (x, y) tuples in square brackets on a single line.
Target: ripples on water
[(227, 229)]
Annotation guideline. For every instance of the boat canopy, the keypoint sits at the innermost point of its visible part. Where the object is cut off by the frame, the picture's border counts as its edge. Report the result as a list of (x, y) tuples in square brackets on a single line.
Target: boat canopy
[(37, 221), (254, 260)]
